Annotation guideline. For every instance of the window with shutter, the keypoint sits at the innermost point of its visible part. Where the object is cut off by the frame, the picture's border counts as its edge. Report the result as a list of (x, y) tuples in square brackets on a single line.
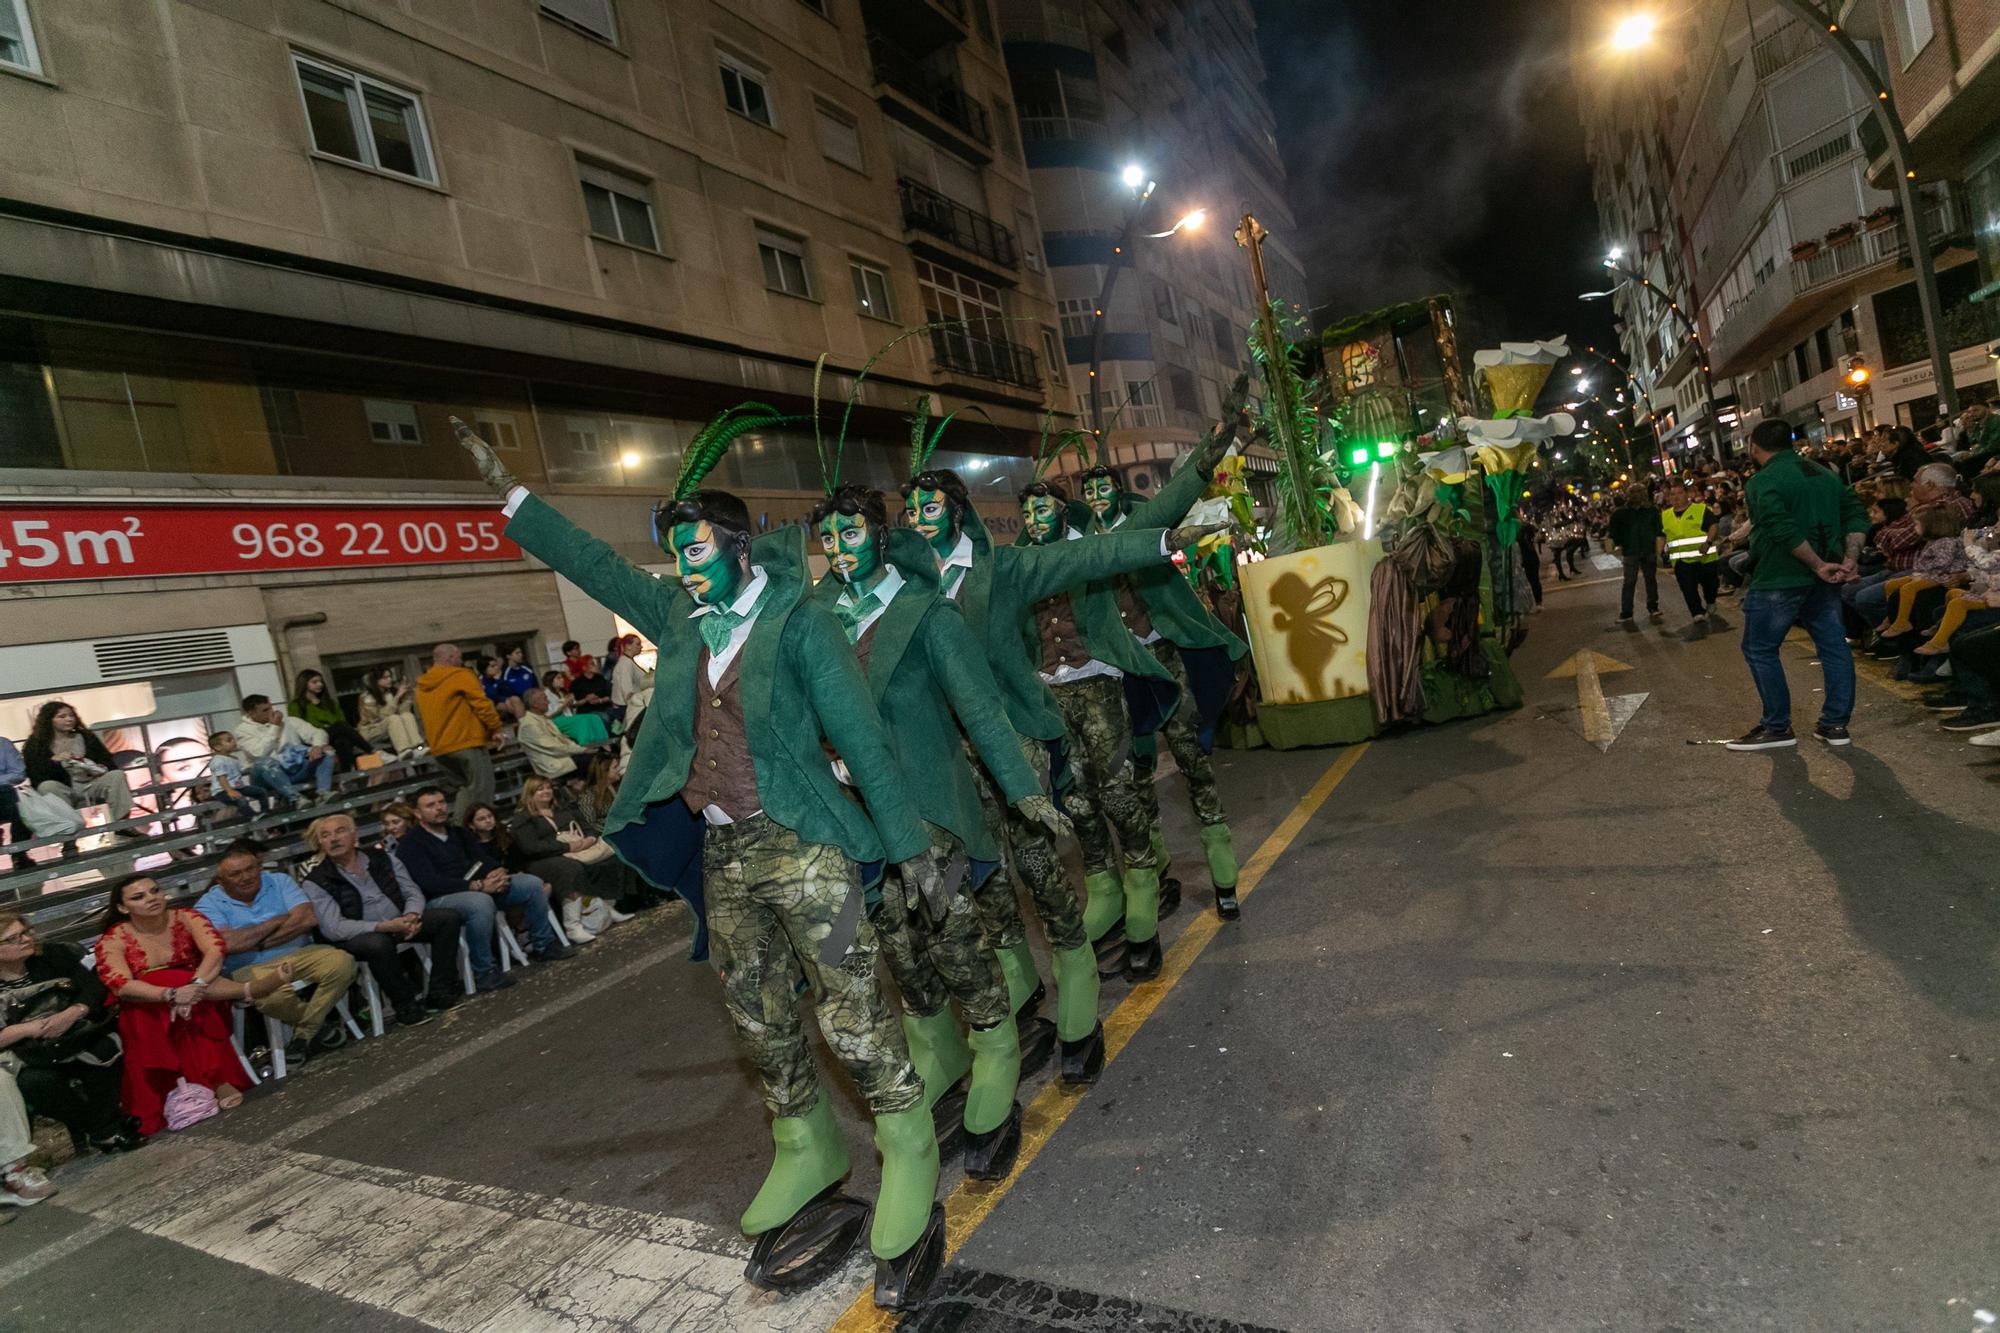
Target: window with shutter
[(593, 16)]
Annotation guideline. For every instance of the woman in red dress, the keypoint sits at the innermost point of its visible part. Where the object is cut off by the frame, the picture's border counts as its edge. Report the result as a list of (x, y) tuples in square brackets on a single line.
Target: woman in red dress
[(162, 966)]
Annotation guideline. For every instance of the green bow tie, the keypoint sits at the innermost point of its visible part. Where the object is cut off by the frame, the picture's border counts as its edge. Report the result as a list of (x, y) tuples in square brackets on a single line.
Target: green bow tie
[(721, 622), (853, 613)]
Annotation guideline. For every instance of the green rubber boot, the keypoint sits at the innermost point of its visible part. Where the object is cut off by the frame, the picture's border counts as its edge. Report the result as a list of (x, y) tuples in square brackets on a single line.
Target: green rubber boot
[(1104, 903), (1221, 855), (996, 1072), (909, 1180), (1076, 992), (810, 1156), (1142, 905), (1017, 965), (938, 1052)]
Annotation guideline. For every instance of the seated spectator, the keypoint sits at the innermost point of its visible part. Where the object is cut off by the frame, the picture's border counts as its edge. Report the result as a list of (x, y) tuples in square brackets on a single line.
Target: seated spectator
[(313, 703), (58, 1056), (550, 752), (575, 661), (366, 903), (454, 871), (13, 772), (65, 759), (238, 783), (555, 684), (631, 684), (599, 796), (590, 692), (265, 919), (397, 820), (1977, 604), (298, 748), (563, 877), (1941, 563), (163, 967), (492, 681), (516, 674), (388, 717), (550, 842)]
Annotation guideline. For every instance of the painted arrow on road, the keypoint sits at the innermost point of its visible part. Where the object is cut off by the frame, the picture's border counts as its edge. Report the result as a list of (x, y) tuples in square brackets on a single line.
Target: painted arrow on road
[(1600, 719)]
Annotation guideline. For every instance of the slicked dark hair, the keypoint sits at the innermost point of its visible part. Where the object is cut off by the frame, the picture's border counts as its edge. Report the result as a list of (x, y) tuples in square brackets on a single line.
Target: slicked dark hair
[(948, 482), (868, 501)]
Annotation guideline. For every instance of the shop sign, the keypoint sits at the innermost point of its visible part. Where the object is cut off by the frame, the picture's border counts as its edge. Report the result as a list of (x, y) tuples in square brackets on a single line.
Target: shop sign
[(42, 542)]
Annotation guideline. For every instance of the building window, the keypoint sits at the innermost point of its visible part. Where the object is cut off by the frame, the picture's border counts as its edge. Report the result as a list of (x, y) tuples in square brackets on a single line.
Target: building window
[(1076, 316), (871, 290), (359, 119), (784, 260), (593, 16), (1163, 304), (745, 92), (1008, 129), (1030, 237), (497, 429), (618, 206), (581, 433), (392, 423), (956, 296), (1913, 28), (1225, 339), (1181, 388), (1142, 394), (1052, 352), (817, 6), (17, 38), (840, 136)]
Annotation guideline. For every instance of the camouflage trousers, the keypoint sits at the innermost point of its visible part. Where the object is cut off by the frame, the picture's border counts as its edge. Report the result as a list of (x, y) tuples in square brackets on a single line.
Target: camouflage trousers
[(772, 901), (1107, 785), (1032, 854), (936, 959), (1183, 733)]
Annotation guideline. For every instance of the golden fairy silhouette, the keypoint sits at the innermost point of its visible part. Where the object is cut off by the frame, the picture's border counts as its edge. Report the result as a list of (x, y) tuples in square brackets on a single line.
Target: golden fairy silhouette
[(1303, 613)]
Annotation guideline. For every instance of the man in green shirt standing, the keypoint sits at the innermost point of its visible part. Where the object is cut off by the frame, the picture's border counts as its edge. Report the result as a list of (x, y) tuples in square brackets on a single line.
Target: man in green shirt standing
[(1635, 531), (1806, 534)]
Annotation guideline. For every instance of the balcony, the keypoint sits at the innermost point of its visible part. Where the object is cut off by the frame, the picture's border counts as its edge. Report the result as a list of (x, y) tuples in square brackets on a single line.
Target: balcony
[(922, 27), (936, 92), (929, 213), (1791, 42), (1944, 217), (968, 352), (1052, 125)]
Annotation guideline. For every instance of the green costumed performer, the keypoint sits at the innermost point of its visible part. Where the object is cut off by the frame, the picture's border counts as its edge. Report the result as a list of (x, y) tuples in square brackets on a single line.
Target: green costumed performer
[(753, 677), (1164, 613), (995, 587)]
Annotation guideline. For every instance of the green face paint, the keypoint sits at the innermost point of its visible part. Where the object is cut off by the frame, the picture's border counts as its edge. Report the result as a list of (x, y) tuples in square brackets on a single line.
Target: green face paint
[(1043, 515), (1101, 494), (851, 548), (932, 516), (705, 562)]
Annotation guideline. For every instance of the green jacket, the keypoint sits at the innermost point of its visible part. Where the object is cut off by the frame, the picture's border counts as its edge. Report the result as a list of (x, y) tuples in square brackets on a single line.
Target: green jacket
[(1177, 612), (1002, 588), (1793, 500), (924, 667), (799, 681)]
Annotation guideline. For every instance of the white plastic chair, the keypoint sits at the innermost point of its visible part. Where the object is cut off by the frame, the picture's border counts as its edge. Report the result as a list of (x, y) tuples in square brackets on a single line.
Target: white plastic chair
[(507, 943), (277, 1033)]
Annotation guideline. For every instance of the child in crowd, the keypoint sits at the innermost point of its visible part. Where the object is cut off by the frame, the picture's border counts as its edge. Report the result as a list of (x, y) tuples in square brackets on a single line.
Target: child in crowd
[(1939, 564), (1982, 590), (237, 781)]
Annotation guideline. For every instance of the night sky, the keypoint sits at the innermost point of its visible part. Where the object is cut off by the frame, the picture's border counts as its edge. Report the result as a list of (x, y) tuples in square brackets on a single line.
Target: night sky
[(1433, 145)]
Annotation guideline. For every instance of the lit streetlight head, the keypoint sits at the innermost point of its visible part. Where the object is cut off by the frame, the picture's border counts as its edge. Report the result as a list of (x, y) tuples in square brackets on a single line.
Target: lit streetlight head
[(1193, 221), (1634, 31), (1614, 255), (1134, 175)]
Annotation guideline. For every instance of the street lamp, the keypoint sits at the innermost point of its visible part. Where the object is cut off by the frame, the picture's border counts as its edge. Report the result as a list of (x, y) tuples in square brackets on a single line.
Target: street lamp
[(1142, 186), (1680, 315), (1825, 25)]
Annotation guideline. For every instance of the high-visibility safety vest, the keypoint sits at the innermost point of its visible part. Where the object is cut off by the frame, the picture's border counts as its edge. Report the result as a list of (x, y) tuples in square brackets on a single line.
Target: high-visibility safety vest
[(1686, 542)]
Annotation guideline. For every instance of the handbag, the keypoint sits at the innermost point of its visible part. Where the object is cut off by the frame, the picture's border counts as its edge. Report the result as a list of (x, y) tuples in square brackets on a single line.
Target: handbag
[(47, 816), (190, 1104), (591, 855)]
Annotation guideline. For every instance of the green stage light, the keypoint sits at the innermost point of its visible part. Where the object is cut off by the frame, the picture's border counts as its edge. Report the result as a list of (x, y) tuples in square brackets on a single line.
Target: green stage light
[(1359, 457), (1386, 449)]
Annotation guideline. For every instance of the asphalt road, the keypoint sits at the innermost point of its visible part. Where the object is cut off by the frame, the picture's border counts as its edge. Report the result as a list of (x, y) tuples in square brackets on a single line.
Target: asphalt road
[(1514, 1035)]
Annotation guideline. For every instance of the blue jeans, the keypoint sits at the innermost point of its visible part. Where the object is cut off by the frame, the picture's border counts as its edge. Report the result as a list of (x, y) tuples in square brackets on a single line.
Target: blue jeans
[(478, 907), (1866, 598), (1768, 616), (319, 771)]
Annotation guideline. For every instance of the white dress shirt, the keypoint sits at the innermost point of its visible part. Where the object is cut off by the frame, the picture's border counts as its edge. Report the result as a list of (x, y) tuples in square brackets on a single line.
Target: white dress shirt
[(960, 559), (883, 592)]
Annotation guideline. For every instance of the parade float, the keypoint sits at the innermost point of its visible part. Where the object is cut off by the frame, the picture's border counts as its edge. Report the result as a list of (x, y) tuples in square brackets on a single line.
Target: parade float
[(1388, 591)]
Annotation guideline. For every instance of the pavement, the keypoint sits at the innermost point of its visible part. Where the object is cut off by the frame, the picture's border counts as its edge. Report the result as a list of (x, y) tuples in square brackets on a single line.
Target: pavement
[(1521, 1030)]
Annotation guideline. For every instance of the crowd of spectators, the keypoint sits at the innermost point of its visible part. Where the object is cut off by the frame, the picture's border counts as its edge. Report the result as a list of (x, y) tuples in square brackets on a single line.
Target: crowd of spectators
[(135, 1033)]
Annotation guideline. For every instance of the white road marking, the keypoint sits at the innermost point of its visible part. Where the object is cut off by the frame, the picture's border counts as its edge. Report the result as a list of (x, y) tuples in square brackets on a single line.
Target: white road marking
[(449, 1254)]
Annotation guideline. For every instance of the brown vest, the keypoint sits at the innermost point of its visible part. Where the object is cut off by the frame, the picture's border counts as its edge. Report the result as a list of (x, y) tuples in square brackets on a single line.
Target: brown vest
[(1062, 641), (866, 644), (1132, 609), (722, 773)]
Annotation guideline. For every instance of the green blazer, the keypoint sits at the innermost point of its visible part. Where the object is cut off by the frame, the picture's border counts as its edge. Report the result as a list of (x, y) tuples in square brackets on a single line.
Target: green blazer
[(1003, 586), (799, 681), (1177, 612), (924, 668)]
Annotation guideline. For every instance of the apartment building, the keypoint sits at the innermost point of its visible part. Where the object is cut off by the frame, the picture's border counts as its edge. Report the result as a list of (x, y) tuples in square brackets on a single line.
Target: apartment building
[(1174, 91), (254, 253), (1794, 256)]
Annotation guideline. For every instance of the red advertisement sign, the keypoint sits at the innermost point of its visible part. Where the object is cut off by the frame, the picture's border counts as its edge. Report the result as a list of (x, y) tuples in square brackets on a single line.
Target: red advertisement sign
[(42, 542)]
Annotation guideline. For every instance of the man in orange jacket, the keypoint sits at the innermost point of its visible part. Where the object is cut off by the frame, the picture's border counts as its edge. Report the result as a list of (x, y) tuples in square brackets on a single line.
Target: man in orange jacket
[(460, 723)]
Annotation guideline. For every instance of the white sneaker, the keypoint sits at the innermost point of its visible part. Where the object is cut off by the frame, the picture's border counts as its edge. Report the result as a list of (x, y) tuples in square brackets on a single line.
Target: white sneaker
[(22, 1185), (1990, 739), (618, 918)]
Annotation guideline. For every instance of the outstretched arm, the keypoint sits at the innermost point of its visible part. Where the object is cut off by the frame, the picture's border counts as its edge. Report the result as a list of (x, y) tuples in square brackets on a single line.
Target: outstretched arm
[(1044, 571), (609, 578)]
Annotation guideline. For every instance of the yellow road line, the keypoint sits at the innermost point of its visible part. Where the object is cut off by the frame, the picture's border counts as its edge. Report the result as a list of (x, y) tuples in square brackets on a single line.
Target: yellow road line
[(971, 1202)]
